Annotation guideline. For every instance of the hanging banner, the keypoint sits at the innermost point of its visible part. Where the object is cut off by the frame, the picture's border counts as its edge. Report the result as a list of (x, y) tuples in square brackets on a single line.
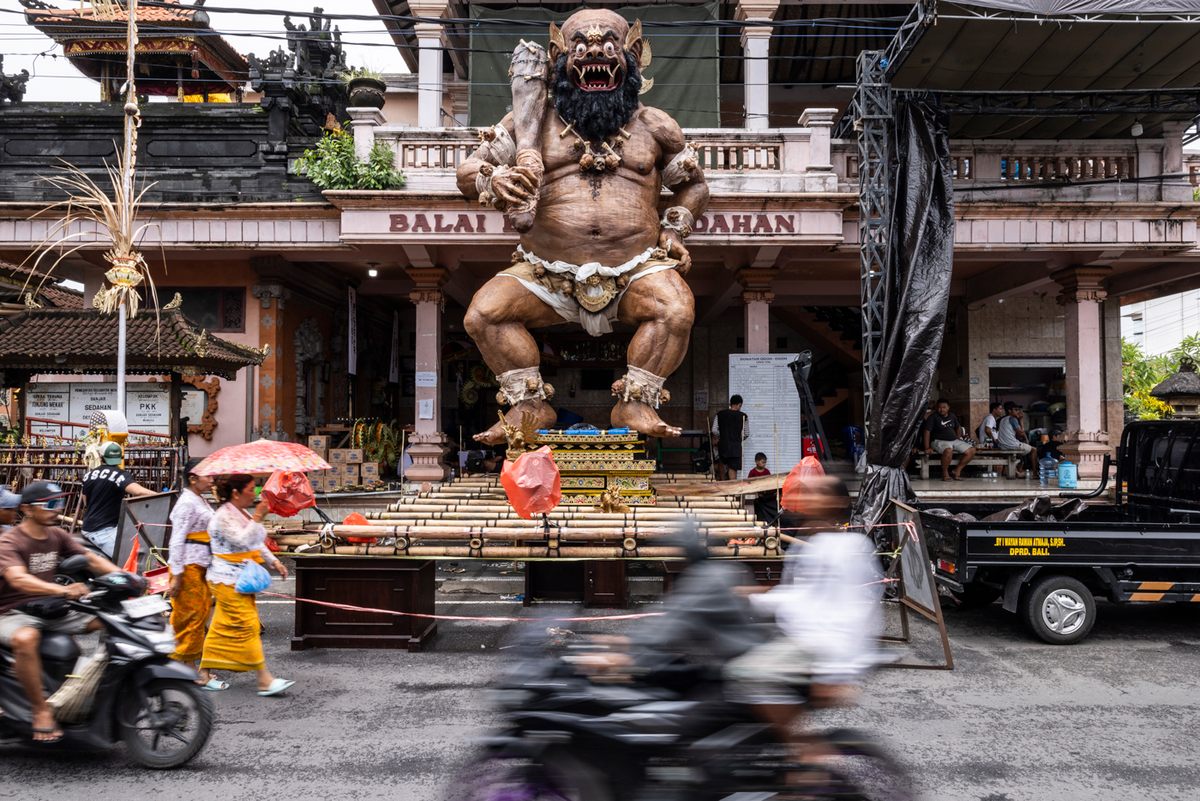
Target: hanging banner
[(352, 332), (394, 366)]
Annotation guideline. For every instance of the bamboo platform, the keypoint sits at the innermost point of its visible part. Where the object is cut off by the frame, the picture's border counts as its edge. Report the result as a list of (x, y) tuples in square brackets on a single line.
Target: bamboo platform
[(471, 518)]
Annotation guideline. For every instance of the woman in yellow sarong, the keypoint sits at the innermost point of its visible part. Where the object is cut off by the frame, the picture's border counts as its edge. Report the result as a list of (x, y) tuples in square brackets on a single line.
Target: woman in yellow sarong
[(234, 641), (189, 557)]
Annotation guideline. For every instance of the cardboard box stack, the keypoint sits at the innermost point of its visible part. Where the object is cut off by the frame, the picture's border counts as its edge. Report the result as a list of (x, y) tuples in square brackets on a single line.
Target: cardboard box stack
[(320, 445), (370, 472)]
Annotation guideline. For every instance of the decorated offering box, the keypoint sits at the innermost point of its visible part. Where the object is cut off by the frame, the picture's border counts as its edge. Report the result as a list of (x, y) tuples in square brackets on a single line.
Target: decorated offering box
[(593, 461)]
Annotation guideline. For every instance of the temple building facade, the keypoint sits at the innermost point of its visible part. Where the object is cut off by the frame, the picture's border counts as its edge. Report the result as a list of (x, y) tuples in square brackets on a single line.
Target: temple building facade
[(361, 294)]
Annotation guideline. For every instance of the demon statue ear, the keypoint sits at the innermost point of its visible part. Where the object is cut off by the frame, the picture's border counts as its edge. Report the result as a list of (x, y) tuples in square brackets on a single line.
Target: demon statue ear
[(637, 46), (558, 44)]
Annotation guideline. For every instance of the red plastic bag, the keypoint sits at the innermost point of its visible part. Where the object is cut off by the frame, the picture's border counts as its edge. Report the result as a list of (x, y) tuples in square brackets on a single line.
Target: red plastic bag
[(532, 482), (355, 519), (287, 493), (793, 485)]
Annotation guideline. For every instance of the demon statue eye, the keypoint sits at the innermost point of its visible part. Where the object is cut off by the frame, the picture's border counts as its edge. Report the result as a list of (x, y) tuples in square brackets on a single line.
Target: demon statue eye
[(610, 49), (580, 49)]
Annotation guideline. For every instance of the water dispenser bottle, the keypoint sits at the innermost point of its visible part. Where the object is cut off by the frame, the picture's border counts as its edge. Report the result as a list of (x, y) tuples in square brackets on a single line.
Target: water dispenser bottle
[(1047, 466), (1068, 475)]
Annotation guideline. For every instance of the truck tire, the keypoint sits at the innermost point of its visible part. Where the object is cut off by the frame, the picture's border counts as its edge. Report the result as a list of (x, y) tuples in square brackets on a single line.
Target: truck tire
[(1060, 610)]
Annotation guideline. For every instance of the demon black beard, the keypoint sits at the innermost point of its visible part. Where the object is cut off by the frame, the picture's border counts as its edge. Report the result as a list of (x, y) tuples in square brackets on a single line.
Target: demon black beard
[(597, 115)]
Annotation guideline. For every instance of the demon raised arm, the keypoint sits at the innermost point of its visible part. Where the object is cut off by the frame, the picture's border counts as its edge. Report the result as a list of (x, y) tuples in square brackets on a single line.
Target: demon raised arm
[(579, 168)]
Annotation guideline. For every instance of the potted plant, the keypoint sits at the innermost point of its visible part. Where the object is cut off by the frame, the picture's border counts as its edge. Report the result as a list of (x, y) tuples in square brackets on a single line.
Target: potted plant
[(366, 88)]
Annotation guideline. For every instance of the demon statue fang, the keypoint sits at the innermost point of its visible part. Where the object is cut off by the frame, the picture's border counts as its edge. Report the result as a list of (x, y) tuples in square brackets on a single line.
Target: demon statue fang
[(578, 168)]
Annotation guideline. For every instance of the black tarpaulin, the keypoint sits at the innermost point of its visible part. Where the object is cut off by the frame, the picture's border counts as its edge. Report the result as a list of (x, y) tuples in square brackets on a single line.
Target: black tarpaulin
[(917, 289)]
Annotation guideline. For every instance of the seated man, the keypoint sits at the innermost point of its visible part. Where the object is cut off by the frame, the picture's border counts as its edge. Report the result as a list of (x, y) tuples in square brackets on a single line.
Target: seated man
[(943, 434), (1010, 436), (987, 429), (29, 556)]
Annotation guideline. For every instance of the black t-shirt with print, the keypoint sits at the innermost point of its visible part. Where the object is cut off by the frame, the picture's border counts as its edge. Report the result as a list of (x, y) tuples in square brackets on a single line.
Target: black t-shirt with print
[(942, 428), (104, 489)]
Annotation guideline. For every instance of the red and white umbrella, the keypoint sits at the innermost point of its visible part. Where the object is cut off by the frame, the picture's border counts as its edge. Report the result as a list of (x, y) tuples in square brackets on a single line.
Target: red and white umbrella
[(261, 456)]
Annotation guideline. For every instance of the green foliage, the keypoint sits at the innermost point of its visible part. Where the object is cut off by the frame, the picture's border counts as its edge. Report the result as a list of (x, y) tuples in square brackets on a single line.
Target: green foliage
[(1140, 374), (360, 72), (1189, 349), (331, 164)]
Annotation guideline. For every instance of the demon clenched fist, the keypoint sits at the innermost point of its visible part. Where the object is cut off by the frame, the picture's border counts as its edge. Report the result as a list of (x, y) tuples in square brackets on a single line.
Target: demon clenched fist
[(579, 168)]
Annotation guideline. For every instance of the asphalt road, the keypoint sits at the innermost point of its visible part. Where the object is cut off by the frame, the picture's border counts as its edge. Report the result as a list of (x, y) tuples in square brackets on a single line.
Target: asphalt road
[(1111, 718)]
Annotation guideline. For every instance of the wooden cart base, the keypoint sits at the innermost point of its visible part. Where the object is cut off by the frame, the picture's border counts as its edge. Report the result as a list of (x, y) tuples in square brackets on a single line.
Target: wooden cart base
[(595, 582), (398, 585)]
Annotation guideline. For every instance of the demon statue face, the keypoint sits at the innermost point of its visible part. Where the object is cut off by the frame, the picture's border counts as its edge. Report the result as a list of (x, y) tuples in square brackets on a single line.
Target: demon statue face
[(597, 60)]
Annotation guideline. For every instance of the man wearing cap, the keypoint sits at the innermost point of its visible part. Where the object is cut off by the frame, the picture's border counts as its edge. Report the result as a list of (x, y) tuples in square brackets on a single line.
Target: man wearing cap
[(9, 501), (104, 488), (29, 557)]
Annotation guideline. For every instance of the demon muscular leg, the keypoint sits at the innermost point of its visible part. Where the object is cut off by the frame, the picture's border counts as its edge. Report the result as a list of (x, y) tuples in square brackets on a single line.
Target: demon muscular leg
[(497, 320), (662, 308)]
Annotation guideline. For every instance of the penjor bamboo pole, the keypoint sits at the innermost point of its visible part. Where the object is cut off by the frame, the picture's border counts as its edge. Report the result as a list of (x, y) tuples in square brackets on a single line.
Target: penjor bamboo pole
[(127, 170)]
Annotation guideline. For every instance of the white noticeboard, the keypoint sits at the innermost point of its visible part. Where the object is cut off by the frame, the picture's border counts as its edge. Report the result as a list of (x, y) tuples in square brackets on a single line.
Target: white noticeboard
[(51, 401), (772, 406), (147, 406), (86, 399)]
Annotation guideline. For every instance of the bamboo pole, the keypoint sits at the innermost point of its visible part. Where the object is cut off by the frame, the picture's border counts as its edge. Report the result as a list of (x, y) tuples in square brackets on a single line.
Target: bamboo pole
[(533, 552)]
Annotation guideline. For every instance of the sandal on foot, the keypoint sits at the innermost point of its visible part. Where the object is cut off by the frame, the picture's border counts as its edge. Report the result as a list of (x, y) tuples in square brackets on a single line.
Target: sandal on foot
[(277, 687), (214, 684), (51, 730)]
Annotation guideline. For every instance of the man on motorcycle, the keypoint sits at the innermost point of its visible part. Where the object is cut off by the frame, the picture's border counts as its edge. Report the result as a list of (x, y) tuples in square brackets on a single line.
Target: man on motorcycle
[(30, 553), (827, 609)]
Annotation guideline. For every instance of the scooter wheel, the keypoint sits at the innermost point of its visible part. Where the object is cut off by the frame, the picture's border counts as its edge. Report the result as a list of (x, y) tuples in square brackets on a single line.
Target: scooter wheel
[(166, 724)]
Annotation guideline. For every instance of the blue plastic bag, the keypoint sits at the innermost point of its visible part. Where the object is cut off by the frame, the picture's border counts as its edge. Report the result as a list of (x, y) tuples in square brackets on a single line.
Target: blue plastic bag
[(253, 578)]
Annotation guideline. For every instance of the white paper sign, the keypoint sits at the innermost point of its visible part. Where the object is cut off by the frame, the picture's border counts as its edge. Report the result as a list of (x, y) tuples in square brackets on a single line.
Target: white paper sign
[(426, 378), (772, 406), (425, 409), (195, 401)]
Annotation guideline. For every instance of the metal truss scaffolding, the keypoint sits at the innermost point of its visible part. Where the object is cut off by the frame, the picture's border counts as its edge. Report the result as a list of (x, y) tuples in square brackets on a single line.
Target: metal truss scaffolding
[(872, 115)]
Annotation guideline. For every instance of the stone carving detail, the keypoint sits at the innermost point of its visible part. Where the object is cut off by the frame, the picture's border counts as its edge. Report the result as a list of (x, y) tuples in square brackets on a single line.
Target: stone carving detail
[(12, 87), (309, 347), (301, 87), (211, 388)]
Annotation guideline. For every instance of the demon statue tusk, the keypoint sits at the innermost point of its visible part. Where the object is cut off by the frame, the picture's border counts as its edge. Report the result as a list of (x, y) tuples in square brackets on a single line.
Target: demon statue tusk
[(579, 168)]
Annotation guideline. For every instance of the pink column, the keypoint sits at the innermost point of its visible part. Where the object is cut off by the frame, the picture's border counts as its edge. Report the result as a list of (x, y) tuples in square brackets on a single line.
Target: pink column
[(429, 442), (758, 320), (1082, 297)]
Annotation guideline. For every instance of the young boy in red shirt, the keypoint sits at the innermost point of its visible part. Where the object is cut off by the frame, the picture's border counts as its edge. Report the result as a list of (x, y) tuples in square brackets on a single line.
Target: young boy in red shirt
[(760, 466)]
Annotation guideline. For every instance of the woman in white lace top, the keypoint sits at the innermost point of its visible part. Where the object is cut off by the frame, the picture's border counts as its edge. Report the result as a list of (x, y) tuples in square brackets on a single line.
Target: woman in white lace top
[(234, 640)]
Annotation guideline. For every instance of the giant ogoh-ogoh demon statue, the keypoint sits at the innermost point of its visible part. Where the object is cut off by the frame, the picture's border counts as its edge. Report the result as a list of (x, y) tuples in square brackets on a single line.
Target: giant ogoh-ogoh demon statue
[(579, 167)]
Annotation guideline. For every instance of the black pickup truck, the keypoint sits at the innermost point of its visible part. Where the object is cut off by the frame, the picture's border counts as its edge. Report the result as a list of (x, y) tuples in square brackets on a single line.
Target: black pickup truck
[(1142, 546)]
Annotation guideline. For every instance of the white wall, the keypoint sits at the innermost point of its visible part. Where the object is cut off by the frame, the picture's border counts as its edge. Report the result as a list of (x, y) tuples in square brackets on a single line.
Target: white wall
[(1159, 325)]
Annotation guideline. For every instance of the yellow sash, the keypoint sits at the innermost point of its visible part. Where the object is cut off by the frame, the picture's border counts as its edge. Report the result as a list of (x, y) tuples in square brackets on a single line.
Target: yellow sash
[(242, 556), (199, 536)]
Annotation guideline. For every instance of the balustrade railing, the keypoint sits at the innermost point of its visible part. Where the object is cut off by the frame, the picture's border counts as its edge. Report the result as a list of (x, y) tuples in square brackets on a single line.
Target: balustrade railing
[(718, 150), (740, 158)]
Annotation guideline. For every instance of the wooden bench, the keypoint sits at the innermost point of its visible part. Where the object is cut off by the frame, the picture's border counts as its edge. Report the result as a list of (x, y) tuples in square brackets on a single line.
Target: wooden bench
[(991, 457)]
